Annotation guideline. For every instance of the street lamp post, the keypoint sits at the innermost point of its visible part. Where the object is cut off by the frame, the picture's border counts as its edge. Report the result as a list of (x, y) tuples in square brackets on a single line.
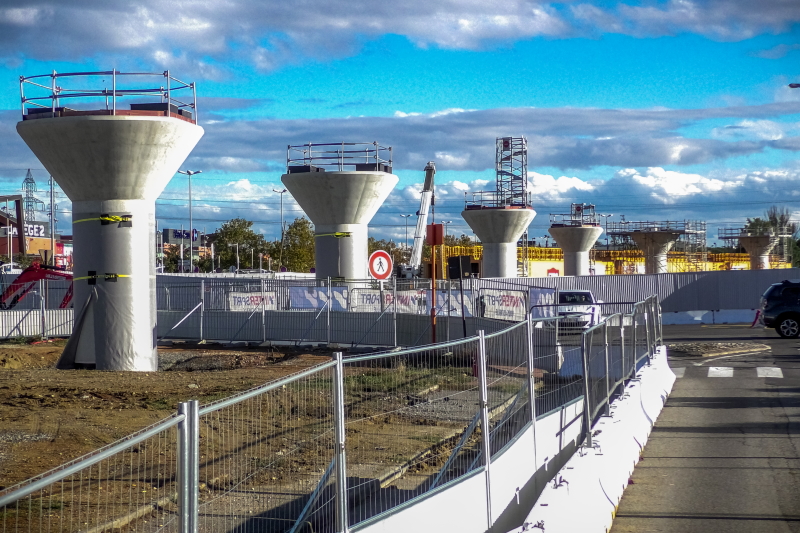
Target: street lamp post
[(445, 223), (237, 253), (190, 173), (280, 258)]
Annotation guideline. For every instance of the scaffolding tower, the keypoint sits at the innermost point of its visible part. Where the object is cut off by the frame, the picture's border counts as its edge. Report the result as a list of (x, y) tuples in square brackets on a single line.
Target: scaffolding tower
[(780, 239), (511, 167)]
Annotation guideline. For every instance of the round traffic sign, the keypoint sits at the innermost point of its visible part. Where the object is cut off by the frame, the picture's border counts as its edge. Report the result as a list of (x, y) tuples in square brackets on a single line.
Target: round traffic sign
[(380, 264)]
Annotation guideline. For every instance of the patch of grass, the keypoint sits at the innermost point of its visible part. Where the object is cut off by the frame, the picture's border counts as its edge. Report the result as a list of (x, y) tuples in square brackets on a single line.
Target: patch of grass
[(159, 404), (22, 340), (427, 439)]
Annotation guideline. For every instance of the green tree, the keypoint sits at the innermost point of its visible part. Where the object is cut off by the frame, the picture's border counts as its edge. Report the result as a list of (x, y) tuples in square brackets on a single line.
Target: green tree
[(238, 231), (298, 246)]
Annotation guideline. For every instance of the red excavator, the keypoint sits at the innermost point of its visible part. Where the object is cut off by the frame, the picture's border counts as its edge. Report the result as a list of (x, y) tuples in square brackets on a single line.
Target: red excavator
[(26, 281)]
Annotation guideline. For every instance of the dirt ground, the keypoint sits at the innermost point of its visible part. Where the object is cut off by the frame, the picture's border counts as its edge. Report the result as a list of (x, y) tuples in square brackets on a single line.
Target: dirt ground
[(49, 416)]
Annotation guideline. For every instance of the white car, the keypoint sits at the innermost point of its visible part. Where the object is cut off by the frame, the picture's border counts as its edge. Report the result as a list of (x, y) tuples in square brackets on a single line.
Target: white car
[(579, 308)]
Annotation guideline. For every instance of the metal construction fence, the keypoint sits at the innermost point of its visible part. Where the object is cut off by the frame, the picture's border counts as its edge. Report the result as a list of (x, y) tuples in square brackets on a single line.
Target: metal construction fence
[(257, 309), (343, 444)]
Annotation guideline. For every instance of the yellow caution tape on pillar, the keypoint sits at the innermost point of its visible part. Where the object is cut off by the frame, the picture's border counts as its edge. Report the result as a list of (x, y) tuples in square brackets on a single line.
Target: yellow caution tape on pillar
[(338, 234), (106, 218), (107, 277)]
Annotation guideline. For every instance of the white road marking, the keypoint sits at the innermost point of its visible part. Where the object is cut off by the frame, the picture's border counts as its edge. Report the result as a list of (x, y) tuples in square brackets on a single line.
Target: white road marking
[(701, 363), (679, 372), (769, 372), (720, 372)]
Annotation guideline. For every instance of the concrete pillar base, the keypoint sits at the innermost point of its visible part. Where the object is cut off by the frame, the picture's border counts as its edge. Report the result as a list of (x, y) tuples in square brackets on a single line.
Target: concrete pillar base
[(758, 247), (575, 242), (655, 245)]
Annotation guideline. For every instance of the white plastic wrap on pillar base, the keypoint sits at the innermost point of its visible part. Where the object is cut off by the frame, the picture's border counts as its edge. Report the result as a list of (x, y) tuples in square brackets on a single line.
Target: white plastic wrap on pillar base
[(499, 260), (120, 330), (655, 245), (758, 247), (575, 242), (341, 257)]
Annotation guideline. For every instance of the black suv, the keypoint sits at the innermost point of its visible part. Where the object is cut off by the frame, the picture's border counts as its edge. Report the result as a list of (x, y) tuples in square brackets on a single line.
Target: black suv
[(780, 308)]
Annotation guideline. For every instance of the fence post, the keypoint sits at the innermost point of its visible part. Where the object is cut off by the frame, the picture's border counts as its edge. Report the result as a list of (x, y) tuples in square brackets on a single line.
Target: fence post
[(608, 368), (339, 457), (531, 368), (394, 311), (330, 304), (188, 466), (587, 403), (485, 437), (634, 340), (263, 314), (42, 306), (202, 306)]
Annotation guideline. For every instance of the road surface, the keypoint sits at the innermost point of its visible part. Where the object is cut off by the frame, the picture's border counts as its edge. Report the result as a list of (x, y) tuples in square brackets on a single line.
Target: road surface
[(724, 455)]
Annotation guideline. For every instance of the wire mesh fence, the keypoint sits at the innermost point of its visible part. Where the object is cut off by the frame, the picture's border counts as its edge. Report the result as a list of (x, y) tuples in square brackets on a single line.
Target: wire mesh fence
[(410, 423), (265, 457), (131, 485), (344, 442)]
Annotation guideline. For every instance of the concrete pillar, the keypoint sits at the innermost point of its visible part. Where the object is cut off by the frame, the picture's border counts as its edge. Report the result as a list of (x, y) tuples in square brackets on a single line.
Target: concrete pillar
[(654, 246), (575, 242), (758, 247), (499, 229), (340, 203), (112, 168)]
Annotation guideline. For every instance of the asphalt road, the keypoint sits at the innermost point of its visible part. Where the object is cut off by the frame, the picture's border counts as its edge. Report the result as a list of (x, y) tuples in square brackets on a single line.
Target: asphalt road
[(724, 455)]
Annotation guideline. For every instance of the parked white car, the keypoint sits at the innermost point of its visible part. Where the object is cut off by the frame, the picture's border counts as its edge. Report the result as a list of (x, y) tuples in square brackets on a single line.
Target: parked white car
[(579, 308)]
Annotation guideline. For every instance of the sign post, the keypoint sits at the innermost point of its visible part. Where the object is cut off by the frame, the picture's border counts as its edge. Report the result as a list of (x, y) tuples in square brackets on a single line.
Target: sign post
[(380, 265)]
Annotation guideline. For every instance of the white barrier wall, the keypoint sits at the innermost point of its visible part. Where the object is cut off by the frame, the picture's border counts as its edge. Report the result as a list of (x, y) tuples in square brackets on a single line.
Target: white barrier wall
[(32, 323), (595, 480), (516, 476)]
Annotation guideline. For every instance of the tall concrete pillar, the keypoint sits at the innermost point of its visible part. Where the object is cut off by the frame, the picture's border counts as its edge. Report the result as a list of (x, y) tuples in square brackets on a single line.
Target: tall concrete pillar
[(340, 204), (112, 168), (499, 229), (758, 247), (654, 246), (575, 242)]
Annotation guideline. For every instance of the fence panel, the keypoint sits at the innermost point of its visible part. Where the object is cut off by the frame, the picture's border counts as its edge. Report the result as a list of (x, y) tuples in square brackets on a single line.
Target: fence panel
[(266, 457), (134, 488), (411, 424), (507, 384)]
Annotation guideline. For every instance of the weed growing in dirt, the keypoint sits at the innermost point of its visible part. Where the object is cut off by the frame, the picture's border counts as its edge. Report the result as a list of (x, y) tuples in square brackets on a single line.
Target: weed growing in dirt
[(22, 340)]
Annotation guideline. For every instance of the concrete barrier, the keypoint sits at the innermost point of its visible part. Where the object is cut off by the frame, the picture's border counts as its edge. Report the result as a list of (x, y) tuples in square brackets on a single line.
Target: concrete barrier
[(584, 495), (718, 316)]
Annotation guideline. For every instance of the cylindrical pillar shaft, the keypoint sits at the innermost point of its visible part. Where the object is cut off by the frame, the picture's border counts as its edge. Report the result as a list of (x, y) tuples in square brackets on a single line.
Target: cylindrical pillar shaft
[(499, 260), (341, 251), (121, 256)]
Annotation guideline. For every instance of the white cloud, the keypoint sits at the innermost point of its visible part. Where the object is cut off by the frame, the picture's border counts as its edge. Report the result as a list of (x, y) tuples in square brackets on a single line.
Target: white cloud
[(268, 35)]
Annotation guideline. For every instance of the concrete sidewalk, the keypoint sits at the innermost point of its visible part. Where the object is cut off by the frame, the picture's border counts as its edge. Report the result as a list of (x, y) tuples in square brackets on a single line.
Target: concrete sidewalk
[(724, 455)]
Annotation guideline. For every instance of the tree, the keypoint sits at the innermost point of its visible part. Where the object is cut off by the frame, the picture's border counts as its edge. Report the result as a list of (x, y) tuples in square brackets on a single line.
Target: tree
[(298, 246), (238, 231)]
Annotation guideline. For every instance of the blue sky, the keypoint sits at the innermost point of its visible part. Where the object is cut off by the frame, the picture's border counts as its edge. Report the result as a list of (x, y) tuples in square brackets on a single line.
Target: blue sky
[(656, 110)]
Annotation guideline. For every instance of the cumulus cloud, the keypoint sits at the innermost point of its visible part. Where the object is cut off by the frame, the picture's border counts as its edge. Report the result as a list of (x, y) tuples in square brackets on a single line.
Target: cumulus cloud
[(199, 36)]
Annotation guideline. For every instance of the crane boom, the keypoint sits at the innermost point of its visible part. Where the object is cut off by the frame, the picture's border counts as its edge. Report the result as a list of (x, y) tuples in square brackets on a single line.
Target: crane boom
[(413, 267)]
